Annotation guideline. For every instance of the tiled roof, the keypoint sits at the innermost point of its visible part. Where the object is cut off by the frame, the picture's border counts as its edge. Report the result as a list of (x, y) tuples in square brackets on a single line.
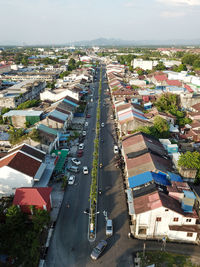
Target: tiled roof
[(55, 119), (22, 163), (32, 151), (27, 196)]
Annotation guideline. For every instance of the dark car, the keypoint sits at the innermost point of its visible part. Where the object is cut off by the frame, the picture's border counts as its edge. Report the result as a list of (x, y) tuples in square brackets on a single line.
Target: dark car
[(96, 252), (79, 153), (88, 116)]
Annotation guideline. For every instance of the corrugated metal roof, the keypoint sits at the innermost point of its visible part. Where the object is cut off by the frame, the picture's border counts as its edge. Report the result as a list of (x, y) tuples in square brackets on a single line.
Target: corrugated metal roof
[(174, 177), (189, 194), (147, 177), (23, 113), (57, 114), (46, 129), (70, 102)]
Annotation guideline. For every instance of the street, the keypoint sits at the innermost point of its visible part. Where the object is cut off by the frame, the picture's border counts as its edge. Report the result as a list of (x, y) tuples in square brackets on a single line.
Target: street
[(69, 245)]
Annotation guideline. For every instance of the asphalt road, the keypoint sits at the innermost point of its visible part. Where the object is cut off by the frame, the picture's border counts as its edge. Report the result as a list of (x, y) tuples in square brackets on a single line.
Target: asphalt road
[(70, 245)]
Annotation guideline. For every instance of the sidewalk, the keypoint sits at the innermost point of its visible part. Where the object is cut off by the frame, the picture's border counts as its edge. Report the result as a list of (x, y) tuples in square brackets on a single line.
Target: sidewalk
[(57, 195)]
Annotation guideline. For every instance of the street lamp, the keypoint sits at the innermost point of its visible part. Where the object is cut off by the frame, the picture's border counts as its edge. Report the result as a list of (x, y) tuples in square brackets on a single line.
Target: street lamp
[(87, 212)]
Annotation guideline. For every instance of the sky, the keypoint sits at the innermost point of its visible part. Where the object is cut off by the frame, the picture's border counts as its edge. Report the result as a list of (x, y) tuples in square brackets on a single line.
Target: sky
[(63, 21)]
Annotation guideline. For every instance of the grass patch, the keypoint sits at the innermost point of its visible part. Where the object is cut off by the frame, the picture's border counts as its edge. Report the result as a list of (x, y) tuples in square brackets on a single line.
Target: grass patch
[(165, 259)]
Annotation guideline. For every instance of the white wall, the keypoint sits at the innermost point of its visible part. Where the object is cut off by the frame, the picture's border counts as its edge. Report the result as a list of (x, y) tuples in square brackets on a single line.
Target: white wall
[(11, 179), (49, 95), (161, 228)]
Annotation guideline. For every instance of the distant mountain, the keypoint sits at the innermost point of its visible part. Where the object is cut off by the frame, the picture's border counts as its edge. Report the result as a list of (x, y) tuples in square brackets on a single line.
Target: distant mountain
[(112, 42), (120, 42)]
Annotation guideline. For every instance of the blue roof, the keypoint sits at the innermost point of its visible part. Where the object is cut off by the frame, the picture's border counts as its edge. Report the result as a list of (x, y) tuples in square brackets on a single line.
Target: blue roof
[(70, 102), (147, 177), (174, 177), (189, 194)]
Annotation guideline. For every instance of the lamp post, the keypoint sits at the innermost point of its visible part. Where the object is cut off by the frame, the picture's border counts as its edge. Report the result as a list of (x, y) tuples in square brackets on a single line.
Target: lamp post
[(90, 216)]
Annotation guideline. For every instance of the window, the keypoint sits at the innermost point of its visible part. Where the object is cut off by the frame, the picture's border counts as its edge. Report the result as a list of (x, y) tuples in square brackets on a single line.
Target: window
[(188, 220), (175, 219), (142, 231), (158, 219), (166, 209), (189, 234)]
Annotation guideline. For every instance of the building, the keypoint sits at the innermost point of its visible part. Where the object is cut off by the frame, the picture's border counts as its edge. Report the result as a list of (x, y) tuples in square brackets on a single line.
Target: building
[(143, 153), (5, 68), (15, 95), (38, 197), (22, 166), (19, 118), (156, 215), (143, 64)]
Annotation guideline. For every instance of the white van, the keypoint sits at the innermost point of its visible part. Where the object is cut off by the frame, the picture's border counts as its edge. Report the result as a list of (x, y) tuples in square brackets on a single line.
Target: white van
[(109, 227), (116, 150)]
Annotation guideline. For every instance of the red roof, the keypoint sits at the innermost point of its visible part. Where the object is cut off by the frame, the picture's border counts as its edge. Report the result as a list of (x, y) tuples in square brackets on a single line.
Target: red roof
[(160, 77), (174, 83), (188, 88), (37, 196)]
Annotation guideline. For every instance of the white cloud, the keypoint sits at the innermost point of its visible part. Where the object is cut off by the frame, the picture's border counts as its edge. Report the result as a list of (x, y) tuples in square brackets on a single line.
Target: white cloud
[(169, 14), (130, 4), (181, 2)]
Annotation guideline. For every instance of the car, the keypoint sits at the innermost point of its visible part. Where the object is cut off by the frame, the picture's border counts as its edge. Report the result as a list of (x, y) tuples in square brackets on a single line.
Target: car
[(102, 124), (109, 227), (85, 170), (97, 251), (71, 179), (76, 161), (84, 133), (88, 116), (86, 124), (81, 146), (73, 169), (116, 151), (111, 117), (79, 153)]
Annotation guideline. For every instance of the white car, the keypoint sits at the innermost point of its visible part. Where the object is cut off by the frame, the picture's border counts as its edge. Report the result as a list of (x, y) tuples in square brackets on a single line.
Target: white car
[(85, 170), (76, 161), (81, 146), (71, 179), (116, 150), (86, 124), (102, 124), (84, 133), (109, 227)]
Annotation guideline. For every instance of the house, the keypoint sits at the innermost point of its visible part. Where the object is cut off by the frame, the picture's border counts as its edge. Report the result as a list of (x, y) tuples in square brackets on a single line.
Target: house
[(19, 118), (38, 197), (13, 96), (22, 166), (48, 136), (130, 119), (148, 178), (156, 215), (144, 153)]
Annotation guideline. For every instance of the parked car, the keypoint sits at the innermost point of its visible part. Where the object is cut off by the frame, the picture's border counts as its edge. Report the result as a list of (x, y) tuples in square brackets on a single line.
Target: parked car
[(88, 116), (73, 169), (79, 153), (102, 124), (86, 124), (76, 161), (97, 251), (116, 150), (71, 179), (109, 227), (85, 170), (81, 146), (111, 117)]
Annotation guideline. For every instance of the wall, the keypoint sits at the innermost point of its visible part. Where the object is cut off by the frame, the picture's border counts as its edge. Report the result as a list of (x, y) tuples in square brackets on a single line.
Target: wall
[(11, 179)]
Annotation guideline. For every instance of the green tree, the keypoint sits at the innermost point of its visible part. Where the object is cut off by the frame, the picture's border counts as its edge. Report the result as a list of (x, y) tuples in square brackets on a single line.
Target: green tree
[(160, 66), (196, 63), (189, 59), (161, 125), (40, 219)]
